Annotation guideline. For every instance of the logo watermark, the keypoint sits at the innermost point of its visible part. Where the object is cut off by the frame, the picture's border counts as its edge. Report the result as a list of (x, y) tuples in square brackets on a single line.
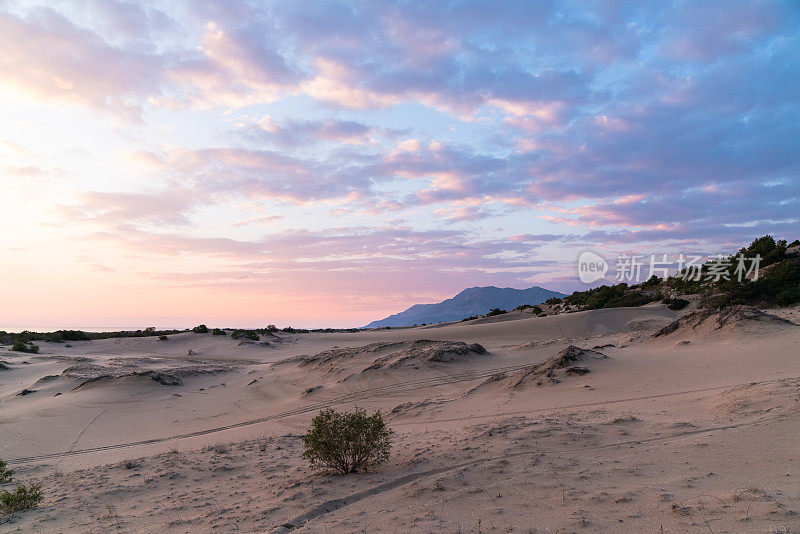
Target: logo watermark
[(591, 267), (635, 268)]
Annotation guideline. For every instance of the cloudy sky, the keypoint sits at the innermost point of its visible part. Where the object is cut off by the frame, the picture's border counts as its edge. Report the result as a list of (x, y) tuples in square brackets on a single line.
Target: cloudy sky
[(328, 163)]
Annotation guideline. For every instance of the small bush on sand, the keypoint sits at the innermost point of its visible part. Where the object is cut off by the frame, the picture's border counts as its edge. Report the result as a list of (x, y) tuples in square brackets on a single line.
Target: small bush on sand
[(218, 332), (347, 441), (19, 346), (677, 304), (247, 334), (23, 498), (6, 474), (495, 311), (200, 329), (131, 464)]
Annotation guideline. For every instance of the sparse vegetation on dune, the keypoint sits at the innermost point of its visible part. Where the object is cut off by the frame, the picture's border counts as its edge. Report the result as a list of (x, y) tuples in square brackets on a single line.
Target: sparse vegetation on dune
[(6, 474), (21, 346), (676, 303), (61, 336), (22, 498), (347, 441), (252, 335), (616, 296), (778, 284)]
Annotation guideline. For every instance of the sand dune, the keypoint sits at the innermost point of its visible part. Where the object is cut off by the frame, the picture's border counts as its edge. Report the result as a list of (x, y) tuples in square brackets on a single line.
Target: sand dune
[(735, 321), (576, 422), (571, 361)]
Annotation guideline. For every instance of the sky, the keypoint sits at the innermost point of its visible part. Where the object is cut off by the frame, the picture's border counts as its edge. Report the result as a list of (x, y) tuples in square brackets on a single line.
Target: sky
[(328, 163)]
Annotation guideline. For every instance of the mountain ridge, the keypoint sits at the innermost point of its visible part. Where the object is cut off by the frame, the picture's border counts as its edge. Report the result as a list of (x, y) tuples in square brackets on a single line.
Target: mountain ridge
[(476, 300)]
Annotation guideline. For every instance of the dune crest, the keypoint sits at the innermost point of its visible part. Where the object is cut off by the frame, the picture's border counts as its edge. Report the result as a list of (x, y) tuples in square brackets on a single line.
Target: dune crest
[(389, 355), (734, 320), (551, 371)]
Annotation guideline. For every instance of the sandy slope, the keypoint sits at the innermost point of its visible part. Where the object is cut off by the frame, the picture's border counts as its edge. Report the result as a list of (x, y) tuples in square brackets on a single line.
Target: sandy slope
[(692, 430)]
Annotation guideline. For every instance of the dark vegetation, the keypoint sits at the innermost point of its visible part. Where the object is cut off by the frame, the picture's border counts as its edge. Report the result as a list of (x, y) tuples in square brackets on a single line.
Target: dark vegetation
[(676, 303), (252, 335), (21, 346), (26, 337), (61, 336), (778, 284), (535, 309), (347, 441), (22, 498), (620, 295), (6, 474)]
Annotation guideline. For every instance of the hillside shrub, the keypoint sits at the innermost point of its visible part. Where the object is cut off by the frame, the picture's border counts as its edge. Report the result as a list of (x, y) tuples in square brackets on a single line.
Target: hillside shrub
[(200, 329), (651, 282), (677, 304)]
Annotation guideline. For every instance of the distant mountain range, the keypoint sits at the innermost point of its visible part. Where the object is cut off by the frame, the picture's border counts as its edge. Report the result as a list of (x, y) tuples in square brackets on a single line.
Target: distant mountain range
[(472, 301)]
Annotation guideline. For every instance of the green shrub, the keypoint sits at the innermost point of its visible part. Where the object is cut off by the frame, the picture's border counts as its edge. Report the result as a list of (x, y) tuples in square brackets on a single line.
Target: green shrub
[(218, 332), (771, 251), (162, 337), (347, 441), (23, 498), (677, 304), (652, 281), (200, 329), (6, 474), (72, 335), (247, 334), (789, 297), (495, 311), (553, 300), (19, 346)]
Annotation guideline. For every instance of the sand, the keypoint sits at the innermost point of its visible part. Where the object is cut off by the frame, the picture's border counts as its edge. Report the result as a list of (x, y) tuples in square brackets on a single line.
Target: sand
[(582, 422)]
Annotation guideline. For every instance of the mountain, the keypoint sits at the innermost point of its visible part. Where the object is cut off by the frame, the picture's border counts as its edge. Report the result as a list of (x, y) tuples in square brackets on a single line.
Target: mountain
[(472, 301)]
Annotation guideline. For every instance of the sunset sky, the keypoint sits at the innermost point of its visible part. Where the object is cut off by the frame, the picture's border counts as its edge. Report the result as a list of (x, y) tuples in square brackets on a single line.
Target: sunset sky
[(329, 163)]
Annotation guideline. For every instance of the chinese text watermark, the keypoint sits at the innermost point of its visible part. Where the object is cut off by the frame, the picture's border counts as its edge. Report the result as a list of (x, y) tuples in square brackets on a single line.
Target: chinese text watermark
[(635, 268)]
